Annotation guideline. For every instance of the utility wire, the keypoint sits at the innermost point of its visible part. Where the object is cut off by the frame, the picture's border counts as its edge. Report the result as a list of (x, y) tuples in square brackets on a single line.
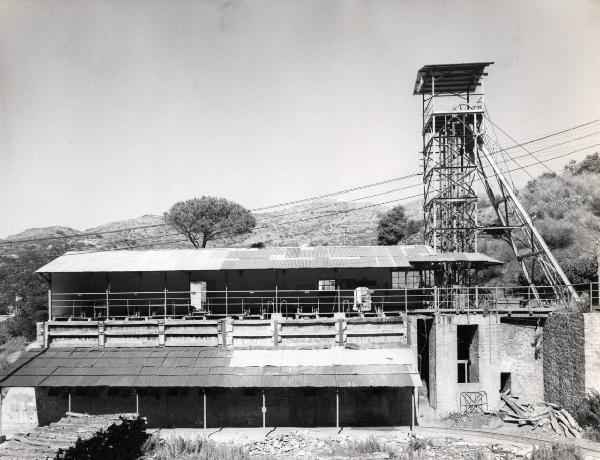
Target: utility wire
[(523, 167), (142, 227), (340, 192), (182, 239), (549, 194), (539, 161), (129, 229)]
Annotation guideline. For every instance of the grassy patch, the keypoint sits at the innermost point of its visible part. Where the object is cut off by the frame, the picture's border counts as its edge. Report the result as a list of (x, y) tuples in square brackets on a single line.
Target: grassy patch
[(588, 416), (557, 452), (199, 448), (9, 346)]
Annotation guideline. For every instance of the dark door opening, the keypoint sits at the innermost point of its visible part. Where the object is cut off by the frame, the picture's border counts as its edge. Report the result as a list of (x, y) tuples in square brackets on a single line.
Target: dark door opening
[(505, 381), (467, 348)]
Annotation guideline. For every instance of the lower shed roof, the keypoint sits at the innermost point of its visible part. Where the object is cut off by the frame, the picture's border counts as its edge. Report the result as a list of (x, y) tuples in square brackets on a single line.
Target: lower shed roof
[(194, 367)]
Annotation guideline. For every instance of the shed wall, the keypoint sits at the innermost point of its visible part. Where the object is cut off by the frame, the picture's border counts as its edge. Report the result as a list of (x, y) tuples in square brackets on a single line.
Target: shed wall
[(171, 407)]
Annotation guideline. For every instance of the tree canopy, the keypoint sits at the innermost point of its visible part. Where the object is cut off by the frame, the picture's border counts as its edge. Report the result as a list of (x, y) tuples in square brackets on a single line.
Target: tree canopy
[(22, 291), (204, 219), (394, 226)]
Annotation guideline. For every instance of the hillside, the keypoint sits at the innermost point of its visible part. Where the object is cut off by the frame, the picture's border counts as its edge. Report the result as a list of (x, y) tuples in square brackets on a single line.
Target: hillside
[(560, 211), (346, 224)]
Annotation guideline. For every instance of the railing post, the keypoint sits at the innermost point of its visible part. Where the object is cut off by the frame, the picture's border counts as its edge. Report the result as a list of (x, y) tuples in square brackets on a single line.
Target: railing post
[(405, 300), (476, 297), (165, 302), (107, 302), (226, 302), (591, 294)]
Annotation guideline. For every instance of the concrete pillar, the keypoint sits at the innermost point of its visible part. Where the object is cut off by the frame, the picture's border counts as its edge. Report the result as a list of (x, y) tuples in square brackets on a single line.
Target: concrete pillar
[(101, 337), (204, 407), (337, 408), (161, 332), (40, 334), (275, 325), (412, 411), (225, 332), (50, 304), (264, 410)]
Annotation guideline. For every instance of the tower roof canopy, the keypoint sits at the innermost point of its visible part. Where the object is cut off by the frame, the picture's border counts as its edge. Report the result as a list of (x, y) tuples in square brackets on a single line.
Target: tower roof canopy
[(450, 78)]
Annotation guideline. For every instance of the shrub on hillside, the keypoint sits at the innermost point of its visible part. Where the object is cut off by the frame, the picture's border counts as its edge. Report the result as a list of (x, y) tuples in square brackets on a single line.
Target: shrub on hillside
[(588, 415), (557, 452), (557, 234)]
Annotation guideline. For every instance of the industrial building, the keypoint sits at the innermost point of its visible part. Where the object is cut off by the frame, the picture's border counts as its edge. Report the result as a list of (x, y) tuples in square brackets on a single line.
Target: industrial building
[(320, 336)]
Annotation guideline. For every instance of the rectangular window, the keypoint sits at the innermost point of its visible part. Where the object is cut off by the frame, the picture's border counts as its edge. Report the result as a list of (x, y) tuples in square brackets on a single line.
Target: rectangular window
[(406, 279), (467, 348), (326, 285)]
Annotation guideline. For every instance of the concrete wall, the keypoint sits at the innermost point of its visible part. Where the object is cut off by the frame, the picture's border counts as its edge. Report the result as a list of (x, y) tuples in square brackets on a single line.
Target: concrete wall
[(502, 347), (324, 332), (18, 410), (179, 407)]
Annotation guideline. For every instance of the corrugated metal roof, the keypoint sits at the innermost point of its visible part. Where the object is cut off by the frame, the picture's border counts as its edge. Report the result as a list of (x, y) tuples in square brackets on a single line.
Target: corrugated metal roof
[(75, 370), (450, 78), (252, 258)]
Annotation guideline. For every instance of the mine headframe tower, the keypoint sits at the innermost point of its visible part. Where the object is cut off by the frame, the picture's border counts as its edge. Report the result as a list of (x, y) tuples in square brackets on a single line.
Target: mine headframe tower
[(458, 152)]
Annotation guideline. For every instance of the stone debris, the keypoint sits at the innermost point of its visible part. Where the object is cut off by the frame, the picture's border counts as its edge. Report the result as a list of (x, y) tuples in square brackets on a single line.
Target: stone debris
[(299, 445)]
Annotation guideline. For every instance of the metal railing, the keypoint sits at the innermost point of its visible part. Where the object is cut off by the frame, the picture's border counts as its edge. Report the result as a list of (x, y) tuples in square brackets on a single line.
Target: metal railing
[(310, 303)]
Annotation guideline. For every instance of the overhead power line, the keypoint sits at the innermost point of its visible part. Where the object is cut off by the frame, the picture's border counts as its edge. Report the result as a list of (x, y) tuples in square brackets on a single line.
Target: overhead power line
[(337, 193), (523, 167), (329, 195), (539, 161), (549, 194)]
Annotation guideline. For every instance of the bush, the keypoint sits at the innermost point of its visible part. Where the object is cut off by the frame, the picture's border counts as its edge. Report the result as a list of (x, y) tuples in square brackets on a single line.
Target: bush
[(557, 234), (417, 444), (588, 415), (557, 452)]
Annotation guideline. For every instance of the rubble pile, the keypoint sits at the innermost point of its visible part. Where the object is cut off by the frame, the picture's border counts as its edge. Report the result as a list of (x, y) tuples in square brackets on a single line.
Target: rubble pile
[(540, 415), (77, 436), (298, 445)]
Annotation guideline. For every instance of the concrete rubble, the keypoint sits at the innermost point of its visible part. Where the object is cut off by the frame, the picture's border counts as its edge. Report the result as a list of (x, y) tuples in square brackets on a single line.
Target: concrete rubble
[(299, 445)]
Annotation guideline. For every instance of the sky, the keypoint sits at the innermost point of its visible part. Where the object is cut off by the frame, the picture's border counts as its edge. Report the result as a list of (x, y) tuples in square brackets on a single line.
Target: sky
[(114, 109)]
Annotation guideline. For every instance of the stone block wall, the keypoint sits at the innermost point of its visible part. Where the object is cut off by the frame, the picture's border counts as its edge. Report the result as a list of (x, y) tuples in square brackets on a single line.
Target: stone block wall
[(501, 347)]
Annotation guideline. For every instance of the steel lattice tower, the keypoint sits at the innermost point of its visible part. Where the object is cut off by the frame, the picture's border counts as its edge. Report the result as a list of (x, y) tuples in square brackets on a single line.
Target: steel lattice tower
[(457, 152)]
